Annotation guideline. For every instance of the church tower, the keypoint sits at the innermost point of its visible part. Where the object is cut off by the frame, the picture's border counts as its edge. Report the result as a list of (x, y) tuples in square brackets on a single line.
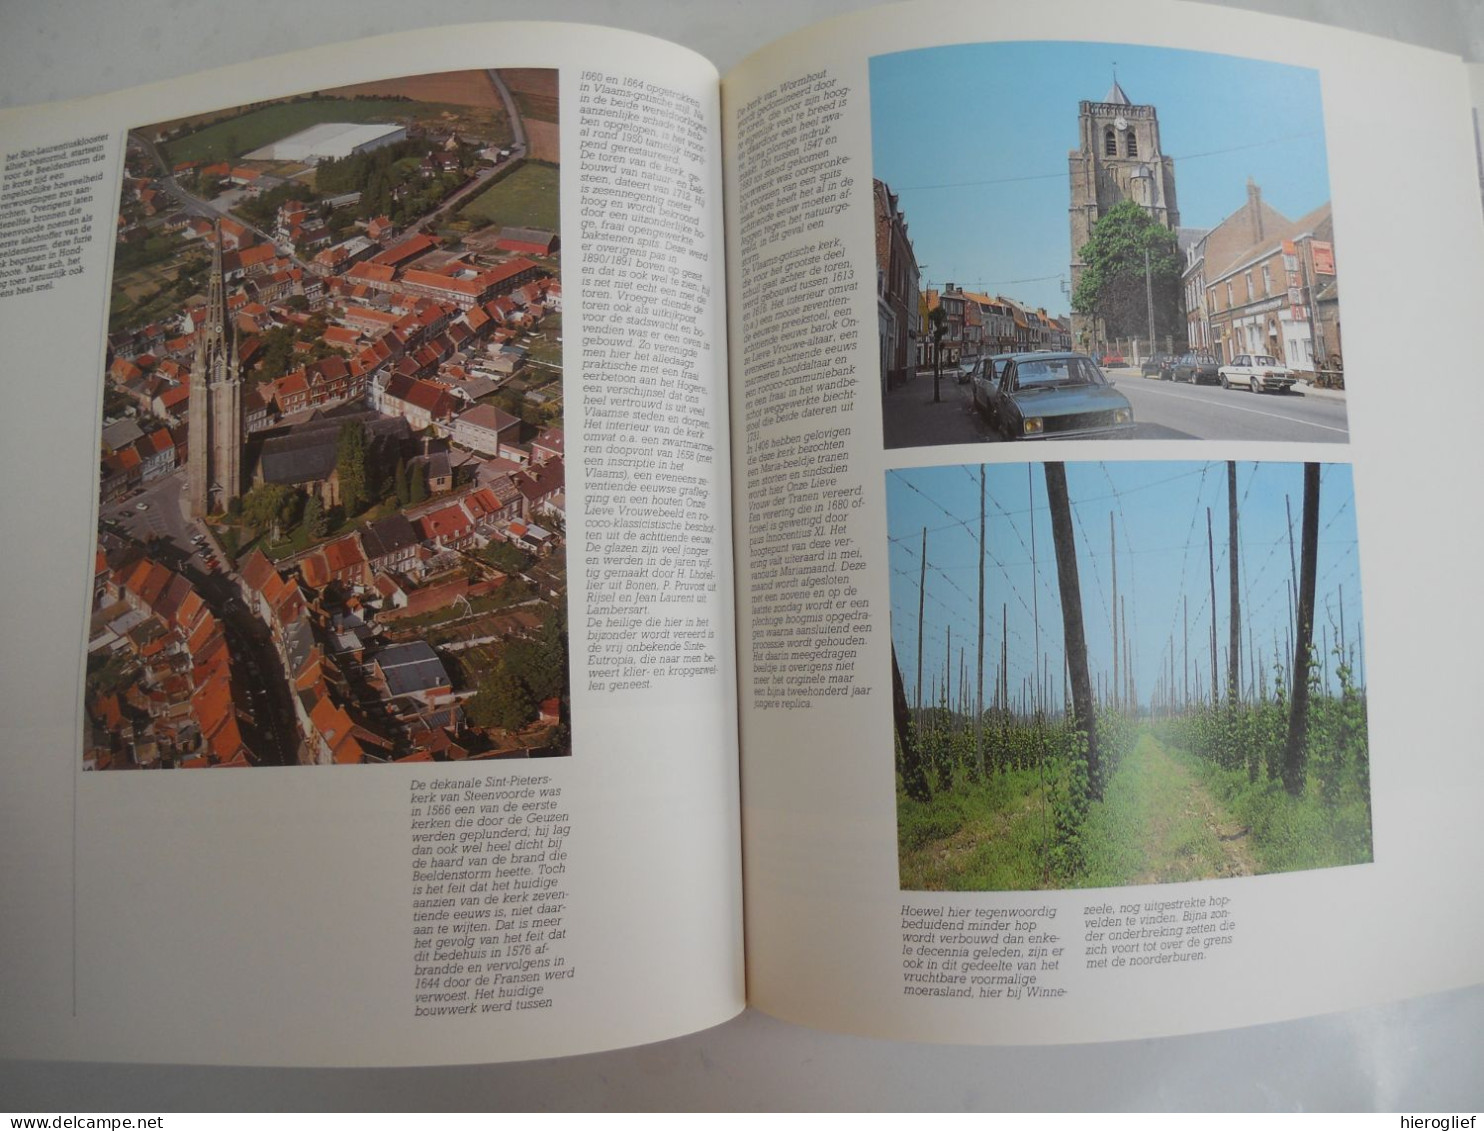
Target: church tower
[(214, 470), (1118, 158)]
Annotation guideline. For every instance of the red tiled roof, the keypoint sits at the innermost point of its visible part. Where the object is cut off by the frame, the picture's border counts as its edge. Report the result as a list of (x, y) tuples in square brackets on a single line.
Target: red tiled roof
[(344, 553), (256, 569), (450, 520), (409, 249)]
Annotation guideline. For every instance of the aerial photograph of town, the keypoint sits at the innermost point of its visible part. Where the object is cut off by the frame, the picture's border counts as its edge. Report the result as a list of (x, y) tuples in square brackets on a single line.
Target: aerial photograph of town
[(331, 471)]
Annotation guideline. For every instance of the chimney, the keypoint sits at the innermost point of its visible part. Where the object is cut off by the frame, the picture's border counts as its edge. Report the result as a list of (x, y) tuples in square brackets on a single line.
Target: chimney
[(1254, 210)]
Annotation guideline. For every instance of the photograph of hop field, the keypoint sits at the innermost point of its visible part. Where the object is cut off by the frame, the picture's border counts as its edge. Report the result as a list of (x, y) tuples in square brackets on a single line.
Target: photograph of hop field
[(1126, 673)]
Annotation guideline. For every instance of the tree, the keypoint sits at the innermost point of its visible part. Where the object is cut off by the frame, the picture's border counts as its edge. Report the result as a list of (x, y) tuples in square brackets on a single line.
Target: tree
[(502, 700), (542, 661), (1112, 286), (265, 503), (277, 353), (939, 318), (400, 484), (314, 517), (350, 462), (506, 558), (417, 486)]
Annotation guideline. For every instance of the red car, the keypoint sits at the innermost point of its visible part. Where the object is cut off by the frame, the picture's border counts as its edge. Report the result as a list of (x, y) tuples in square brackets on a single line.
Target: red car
[(1111, 359)]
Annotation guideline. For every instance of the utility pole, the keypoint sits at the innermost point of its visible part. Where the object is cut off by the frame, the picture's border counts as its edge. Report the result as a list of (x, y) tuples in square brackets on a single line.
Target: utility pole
[(921, 596), (1233, 661), (979, 671), (1211, 556), (1113, 554), (1030, 490), (1298, 719), (1064, 542), (1149, 297)]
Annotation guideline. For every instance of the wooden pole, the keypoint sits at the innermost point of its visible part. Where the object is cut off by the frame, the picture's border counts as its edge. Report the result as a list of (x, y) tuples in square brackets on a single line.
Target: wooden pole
[(1064, 542)]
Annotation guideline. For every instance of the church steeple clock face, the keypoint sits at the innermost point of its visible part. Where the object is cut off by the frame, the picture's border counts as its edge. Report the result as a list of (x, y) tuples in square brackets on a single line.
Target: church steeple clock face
[(1120, 123)]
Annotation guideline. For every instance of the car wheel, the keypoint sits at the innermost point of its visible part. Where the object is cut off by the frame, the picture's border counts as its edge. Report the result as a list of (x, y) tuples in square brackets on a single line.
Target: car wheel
[(1254, 386)]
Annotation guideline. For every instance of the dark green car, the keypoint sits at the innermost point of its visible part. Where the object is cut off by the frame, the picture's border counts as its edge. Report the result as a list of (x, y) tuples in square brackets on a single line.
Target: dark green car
[(1038, 396)]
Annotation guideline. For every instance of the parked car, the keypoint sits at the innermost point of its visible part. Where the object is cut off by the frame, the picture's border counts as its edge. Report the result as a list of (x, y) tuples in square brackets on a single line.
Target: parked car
[(1152, 366), (985, 376), (1108, 360), (1197, 368), (1053, 395), (1258, 373)]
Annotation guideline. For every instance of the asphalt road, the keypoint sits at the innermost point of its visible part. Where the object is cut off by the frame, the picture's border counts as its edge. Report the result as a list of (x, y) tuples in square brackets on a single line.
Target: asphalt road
[(1166, 410), (1163, 410)]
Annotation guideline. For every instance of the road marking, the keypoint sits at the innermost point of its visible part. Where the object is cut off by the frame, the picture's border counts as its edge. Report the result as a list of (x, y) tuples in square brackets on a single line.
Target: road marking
[(1253, 411)]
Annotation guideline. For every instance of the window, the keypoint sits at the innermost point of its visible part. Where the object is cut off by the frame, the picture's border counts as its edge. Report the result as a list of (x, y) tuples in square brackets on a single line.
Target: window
[(1228, 294), (1110, 143), (1251, 294), (1132, 144), (1267, 280)]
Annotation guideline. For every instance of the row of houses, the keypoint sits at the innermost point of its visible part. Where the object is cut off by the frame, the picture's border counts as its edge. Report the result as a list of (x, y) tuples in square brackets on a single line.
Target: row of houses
[(185, 704), (1261, 283), (981, 325), (359, 698), (975, 325), (150, 456), (355, 700)]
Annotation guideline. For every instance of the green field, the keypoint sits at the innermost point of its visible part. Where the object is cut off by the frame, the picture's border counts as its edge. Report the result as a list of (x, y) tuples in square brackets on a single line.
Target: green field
[(527, 198), (230, 139), (1168, 813)]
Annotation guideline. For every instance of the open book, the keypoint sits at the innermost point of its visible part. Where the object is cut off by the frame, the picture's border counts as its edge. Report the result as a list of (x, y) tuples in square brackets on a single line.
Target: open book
[(585, 498)]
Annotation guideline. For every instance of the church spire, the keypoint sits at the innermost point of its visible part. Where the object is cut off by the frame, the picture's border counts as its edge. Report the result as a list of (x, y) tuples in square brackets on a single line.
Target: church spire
[(218, 341), (214, 465)]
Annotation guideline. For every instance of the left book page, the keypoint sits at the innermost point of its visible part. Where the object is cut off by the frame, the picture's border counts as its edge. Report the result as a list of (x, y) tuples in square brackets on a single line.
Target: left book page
[(337, 379)]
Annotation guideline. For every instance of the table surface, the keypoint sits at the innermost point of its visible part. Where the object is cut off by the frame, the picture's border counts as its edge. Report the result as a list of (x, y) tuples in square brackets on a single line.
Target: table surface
[(1419, 1055)]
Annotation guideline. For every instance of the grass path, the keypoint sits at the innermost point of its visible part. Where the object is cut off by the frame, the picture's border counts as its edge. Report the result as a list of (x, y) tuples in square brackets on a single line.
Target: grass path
[(1158, 824)]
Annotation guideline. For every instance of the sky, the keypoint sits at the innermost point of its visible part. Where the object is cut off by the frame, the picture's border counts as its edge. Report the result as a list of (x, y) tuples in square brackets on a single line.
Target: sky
[(974, 139), (1159, 518)]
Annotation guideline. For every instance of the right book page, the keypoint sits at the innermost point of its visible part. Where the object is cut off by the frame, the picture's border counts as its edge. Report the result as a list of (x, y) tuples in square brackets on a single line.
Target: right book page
[(1105, 450)]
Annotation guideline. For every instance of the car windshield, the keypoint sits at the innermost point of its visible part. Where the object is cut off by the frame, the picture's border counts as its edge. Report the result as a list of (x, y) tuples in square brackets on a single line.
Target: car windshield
[(1264, 359), (1056, 371)]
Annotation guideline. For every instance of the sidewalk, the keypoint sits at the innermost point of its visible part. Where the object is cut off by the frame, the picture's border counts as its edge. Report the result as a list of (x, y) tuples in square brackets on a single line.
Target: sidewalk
[(911, 419)]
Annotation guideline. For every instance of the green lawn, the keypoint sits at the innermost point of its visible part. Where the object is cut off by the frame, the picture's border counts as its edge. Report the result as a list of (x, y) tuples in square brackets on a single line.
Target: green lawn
[(246, 132), (527, 198)]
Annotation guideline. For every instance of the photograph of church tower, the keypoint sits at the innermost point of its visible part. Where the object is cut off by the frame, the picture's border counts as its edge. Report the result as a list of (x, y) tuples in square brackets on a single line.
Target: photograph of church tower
[(1050, 222), (1118, 158)]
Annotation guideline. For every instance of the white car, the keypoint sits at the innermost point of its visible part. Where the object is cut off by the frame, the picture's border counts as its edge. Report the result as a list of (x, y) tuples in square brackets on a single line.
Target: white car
[(1256, 372)]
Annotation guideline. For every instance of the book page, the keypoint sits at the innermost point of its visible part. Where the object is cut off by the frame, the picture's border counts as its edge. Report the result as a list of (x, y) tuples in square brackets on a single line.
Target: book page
[(371, 440), (1105, 651)]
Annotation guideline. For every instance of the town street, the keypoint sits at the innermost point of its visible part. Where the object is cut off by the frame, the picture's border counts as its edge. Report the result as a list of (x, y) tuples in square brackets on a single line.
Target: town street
[(1166, 410), (1163, 410)]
